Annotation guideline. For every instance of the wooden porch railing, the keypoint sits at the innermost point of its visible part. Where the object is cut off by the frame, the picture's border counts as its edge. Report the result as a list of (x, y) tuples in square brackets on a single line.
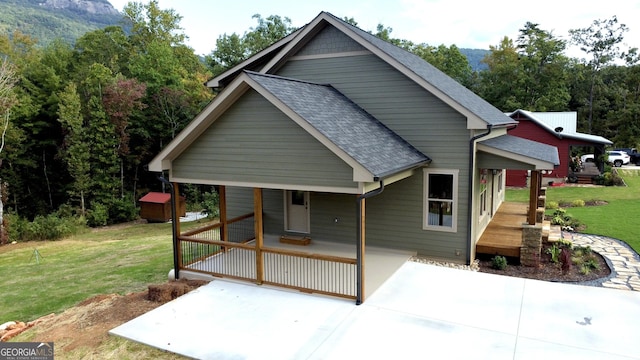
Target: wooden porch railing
[(204, 251)]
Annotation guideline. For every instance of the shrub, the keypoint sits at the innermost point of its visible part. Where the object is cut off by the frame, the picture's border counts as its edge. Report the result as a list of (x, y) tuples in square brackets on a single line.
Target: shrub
[(122, 210), (98, 215), (211, 204), (554, 251), (577, 203), (50, 227), (499, 262), (610, 178), (552, 205), (559, 217)]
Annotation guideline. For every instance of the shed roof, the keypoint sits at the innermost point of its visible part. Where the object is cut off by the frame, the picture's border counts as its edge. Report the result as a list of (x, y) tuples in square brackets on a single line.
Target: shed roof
[(156, 198), (360, 135)]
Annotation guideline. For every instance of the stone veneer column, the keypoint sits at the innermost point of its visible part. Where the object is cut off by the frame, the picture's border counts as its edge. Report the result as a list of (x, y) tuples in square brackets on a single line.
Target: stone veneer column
[(539, 215), (531, 245)]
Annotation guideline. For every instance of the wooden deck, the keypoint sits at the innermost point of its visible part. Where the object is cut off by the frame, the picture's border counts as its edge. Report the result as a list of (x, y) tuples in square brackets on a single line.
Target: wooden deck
[(503, 236)]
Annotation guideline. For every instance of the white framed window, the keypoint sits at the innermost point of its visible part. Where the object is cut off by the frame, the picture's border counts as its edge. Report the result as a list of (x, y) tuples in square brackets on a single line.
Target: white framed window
[(440, 203)]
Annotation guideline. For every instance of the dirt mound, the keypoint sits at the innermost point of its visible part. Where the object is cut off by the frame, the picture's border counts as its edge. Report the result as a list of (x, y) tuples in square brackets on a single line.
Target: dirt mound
[(88, 323)]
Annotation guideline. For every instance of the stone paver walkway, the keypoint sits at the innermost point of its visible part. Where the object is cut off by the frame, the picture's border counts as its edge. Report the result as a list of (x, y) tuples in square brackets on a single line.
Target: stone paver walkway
[(624, 261)]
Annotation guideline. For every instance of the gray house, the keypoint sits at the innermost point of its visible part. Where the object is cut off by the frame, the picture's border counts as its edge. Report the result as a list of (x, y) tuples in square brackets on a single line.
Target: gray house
[(333, 135)]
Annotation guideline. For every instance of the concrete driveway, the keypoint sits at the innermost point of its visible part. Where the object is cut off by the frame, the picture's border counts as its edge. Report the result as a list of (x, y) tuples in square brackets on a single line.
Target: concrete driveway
[(422, 311)]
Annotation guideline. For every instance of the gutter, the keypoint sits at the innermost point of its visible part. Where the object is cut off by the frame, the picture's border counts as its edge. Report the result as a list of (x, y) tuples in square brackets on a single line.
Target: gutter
[(359, 241), (470, 191)]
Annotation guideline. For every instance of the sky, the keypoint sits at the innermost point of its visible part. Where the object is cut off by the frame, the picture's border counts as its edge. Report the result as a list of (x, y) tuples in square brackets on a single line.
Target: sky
[(464, 23)]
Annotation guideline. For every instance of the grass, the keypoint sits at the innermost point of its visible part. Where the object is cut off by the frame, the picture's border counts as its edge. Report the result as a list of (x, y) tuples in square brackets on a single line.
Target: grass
[(119, 260), (618, 219)]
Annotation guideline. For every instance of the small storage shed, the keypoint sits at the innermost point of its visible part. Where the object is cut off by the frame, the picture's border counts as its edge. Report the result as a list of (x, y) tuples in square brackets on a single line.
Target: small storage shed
[(156, 207)]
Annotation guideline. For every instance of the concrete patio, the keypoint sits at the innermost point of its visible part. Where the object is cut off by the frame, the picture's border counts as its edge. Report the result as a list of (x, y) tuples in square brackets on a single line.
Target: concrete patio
[(421, 311)]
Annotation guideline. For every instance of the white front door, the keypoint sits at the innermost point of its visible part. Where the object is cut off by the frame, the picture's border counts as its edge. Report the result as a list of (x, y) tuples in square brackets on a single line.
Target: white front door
[(297, 211)]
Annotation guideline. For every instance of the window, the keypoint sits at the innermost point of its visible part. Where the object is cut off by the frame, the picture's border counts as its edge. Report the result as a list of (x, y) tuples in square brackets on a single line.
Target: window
[(440, 200)]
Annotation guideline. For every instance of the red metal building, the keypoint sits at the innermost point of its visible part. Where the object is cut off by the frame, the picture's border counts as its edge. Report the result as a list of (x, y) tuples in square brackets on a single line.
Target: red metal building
[(558, 129)]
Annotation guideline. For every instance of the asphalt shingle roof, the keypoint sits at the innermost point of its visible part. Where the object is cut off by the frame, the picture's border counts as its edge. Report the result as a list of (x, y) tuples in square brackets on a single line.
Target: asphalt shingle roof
[(524, 147), (364, 138)]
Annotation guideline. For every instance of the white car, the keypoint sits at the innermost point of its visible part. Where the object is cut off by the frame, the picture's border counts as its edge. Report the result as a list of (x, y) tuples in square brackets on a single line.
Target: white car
[(617, 158)]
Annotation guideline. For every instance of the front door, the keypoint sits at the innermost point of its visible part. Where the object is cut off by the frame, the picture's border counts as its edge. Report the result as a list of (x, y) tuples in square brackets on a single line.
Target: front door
[(297, 211)]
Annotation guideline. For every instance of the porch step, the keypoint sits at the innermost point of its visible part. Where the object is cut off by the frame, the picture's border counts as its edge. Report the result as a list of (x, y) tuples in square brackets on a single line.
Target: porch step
[(295, 240), (555, 233), (546, 230)]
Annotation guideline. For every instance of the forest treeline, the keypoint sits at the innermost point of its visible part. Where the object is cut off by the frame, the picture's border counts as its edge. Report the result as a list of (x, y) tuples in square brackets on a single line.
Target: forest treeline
[(80, 121)]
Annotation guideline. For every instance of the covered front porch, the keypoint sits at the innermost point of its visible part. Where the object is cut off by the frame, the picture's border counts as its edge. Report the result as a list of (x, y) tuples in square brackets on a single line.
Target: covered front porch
[(238, 248)]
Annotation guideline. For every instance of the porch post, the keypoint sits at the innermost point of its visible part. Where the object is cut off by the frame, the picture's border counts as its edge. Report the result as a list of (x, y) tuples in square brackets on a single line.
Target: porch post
[(533, 197), (222, 194), (360, 251), (176, 205), (257, 213)]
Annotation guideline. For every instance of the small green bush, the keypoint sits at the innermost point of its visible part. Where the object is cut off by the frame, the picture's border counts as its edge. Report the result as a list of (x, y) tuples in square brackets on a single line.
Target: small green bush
[(98, 215), (552, 205), (554, 251), (577, 203), (499, 262), (122, 210)]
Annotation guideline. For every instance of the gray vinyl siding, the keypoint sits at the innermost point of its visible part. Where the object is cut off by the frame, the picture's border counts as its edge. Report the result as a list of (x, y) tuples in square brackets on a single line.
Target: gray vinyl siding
[(394, 218), (253, 141), (240, 202), (329, 41)]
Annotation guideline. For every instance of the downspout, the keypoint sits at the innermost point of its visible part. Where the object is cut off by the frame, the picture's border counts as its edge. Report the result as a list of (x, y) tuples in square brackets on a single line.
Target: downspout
[(359, 248), (470, 191), (174, 228)]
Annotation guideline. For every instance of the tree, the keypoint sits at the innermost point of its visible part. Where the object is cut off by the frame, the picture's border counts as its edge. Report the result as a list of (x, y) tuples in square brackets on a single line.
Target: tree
[(501, 83), (7, 101), (150, 24), (75, 149), (120, 99), (233, 49), (447, 59), (544, 68), (601, 41)]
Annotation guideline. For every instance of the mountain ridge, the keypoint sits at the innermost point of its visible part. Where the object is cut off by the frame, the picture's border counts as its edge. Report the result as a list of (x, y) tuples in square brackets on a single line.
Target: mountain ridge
[(47, 20)]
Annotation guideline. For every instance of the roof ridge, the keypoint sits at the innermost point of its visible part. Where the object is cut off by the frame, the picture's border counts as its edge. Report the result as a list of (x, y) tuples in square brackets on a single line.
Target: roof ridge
[(273, 76)]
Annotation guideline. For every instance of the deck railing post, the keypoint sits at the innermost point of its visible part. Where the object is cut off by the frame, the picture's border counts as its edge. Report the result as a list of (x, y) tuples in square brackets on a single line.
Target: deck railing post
[(533, 196)]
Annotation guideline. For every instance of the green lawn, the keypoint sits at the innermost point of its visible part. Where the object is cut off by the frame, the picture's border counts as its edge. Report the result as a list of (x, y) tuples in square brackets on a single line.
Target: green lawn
[(619, 219), (118, 260)]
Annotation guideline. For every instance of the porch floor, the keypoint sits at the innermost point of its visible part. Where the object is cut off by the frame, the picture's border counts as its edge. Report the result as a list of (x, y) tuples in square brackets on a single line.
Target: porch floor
[(503, 235), (381, 263)]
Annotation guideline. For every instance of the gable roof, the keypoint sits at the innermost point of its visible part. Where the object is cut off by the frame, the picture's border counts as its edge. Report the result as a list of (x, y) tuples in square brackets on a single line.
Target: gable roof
[(543, 156), (479, 112), (565, 121), (156, 198), (355, 136), (356, 132)]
